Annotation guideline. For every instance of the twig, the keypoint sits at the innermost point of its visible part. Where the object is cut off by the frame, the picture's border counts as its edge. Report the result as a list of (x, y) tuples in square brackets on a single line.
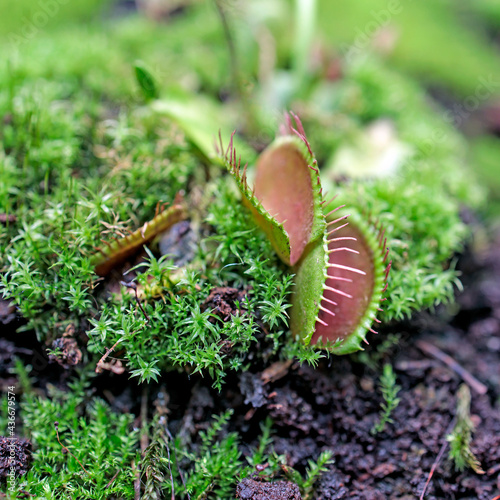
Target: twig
[(466, 376), (98, 368), (24, 492), (438, 459), (493, 470), (408, 365), (132, 285), (137, 482), (143, 440), (112, 479), (276, 371), (175, 458), (144, 419), (163, 421), (67, 450)]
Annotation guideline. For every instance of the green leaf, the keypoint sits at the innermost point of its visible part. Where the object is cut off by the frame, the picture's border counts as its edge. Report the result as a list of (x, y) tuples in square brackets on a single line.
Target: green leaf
[(286, 201), (309, 284), (146, 81), (357, 271), (198, 117), (120, 249)]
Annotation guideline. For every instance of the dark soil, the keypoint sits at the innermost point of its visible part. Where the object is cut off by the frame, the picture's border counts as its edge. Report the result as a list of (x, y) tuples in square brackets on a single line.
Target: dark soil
[(335, 406), (7, 218), (224, 302), (14, 453), (250, 489), (7, 312)]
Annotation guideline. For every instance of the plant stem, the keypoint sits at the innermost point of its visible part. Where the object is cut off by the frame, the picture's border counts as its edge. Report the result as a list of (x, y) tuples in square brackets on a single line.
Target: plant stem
[(305, 23), (233, 60), (437, 460), (242, 94), (467, 377)]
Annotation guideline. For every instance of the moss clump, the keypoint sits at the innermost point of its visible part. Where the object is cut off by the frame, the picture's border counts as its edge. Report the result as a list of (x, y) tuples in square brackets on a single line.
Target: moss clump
[(101, 440), (180, 334)]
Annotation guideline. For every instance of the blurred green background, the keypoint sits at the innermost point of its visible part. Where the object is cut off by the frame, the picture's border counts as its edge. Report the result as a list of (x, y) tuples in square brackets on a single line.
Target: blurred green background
[(450, 47)]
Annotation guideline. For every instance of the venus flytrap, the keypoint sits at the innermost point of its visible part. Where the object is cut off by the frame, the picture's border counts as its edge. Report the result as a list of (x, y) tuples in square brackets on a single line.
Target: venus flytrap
[(337, 254), (340, 268), (122, 248), (357, 295)]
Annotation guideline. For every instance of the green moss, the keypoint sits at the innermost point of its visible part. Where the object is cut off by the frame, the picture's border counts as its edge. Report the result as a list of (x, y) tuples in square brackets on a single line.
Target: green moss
[(389, 390), (180, 334), (213, 464), (98, 439), (414, 185)]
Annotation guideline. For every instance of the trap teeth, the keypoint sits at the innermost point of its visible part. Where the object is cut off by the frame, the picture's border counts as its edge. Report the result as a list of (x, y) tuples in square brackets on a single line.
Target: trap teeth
[(338, 285)]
